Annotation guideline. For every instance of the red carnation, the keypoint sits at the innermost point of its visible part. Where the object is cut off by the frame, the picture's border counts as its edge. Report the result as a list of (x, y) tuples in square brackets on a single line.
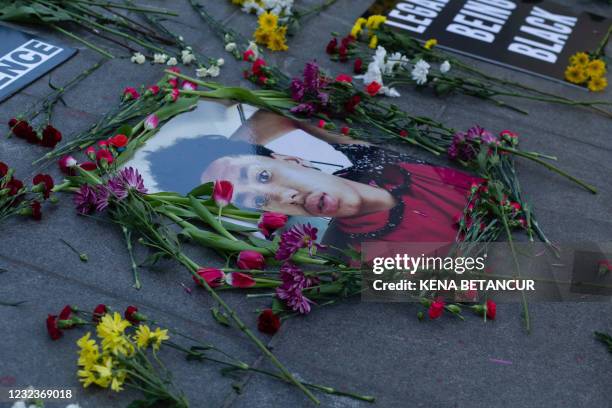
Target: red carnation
[(248, 55), (23, 130), (104, 156), (403, 133), (153, 89), (130, 93), (3, 169), (132, 315), (88, 166), (358, 66), (257, 65), (50, 137), (373, 88), (36, 212), (250, 260), (66, 314), (343, 53), (14, 186), (345, 130), (352, 103), (98, 312), (118, 140), (46, 183), (268, 322), (491, 308), (270, 222), (54, 332), (436, 309), (344, 78), (332, 46)]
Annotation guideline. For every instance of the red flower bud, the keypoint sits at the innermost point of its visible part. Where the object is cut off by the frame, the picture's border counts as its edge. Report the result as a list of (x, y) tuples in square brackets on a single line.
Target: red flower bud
[(321, 123), (332, 46), (345, 130), (248, 55), (132, 315), (250, 260), (66, 314), (54, 332), (104, 155), (491, 308), (344, 78), (36, 212), (213, 276), (14, 186), (88, 166), (358, 66), (257, 66), (373, 88), (270, 222), (118, 140), (130, 93), (403, 133), (223, 192), (240, 280), (46, 184), (436, 309), (3, 169), (268, 322), (98, 312)]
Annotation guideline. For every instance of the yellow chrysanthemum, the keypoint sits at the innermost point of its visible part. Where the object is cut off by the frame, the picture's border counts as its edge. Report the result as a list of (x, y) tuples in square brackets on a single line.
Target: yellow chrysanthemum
[(357, 27), (143, 336), (268, 21), (580, 58), (596, 68), (597, 84), (575, 74), (87, 377), (109, 375), (89, 353), (112, 325), (262, 36), (158, 336), (278, 41), (373, 42), (429, 44)]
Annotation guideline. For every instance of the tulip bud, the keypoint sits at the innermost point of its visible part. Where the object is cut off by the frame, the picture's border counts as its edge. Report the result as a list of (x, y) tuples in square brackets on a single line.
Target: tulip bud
[(223, 192), (250, 260)]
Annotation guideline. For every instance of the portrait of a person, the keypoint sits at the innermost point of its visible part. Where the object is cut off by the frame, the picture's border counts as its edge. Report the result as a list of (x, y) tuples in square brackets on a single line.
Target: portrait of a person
[(380, 195)]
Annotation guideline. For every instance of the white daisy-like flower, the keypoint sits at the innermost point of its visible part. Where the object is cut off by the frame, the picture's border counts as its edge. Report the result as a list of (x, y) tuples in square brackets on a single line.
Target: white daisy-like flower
[(172, 61), (220, 62), (187, 57), (420, 71), (159, 58), (201, 72), (445, 67), (138, 58), (214, 71), (229, 47)]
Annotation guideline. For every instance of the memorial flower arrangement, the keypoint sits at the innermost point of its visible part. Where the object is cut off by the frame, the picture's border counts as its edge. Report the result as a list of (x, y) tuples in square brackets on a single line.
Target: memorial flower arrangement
[(589, 70), (400, 60)]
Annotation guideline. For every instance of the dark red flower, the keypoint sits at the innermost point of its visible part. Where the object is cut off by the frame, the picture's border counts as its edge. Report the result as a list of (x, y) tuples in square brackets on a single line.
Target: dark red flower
[(345, 130), (130, 93), (54, 332), (332, 46), (153, 89), (46, 183), (268, 322), (104, 155), (118, 140), (248, 55), (270, 222), (223, 192), (358, 66), (89, 166), (12, 122), (343, 53), (14, 186), (36, 212), (373, 88), (257, 66), (213, 276), (250, 260), (3, 169), (344, 78), (436, 309), (240, 280), (132, 315), (50, 137), (347, 40), (23, 130), (352, 103), (491, 309), (403, 133), (66, 314), (98, 312)]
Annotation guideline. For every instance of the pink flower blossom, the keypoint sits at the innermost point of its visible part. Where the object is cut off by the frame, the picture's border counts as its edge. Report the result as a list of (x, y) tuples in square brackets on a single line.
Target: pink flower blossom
[(151, 122), (240, 280), (223, 192)]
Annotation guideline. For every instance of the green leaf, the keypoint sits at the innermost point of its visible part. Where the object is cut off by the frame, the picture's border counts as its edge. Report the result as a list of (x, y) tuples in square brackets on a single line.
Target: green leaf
[(206, 216), (125, 130), (181, 105), (205, 189), (220, 317), (277, 306), (443, 88)]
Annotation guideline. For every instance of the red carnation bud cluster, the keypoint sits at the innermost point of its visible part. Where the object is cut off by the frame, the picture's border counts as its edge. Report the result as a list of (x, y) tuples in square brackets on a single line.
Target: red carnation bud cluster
[(66, 320), (16, 198), (340, 50), (48, 137), (133, 316), (101, 155), (259, 73), (268, 322)]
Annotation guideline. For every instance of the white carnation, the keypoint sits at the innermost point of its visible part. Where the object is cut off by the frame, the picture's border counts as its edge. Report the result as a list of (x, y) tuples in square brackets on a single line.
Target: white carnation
[(172, 61), (229, 47), (214, 71), (445, 67), (187, 57), (138, 58), (220, 62), (201, 72), (419, 72), (160, 58)]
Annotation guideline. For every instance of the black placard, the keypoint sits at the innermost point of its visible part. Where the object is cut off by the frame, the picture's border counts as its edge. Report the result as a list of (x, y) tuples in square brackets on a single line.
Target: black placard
[(530, 35), (24, 58)]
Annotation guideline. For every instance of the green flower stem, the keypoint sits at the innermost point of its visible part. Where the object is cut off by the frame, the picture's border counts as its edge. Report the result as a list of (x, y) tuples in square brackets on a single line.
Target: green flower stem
[(193, 268), (127, 234), (82, 41), (239, 365), (108, 4), (315, 9), (599, 52)]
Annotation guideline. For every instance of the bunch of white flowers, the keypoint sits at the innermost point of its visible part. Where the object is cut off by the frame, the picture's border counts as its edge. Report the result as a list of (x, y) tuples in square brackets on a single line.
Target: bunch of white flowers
[(383, 64), (282, 8)]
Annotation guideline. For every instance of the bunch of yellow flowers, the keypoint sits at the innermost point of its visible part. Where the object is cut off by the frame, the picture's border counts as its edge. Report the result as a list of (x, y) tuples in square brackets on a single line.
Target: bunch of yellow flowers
[(372, 24), (270, 33), (585, 69), (107, 364)]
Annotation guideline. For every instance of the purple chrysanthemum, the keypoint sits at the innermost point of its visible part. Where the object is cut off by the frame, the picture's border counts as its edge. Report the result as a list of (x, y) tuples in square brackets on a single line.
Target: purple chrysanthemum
[(304, 109), (295, 299), (312, 79), (102, 196), (85, 199), (295, 238), (127, 179), (293, 277), (297, 89)]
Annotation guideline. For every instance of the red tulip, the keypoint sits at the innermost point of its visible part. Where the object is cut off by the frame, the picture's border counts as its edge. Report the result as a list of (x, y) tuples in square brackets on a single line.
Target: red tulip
[(270, 222), (268, 322), (213, 276), (240, 280), (250, 260), (223, 192)]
